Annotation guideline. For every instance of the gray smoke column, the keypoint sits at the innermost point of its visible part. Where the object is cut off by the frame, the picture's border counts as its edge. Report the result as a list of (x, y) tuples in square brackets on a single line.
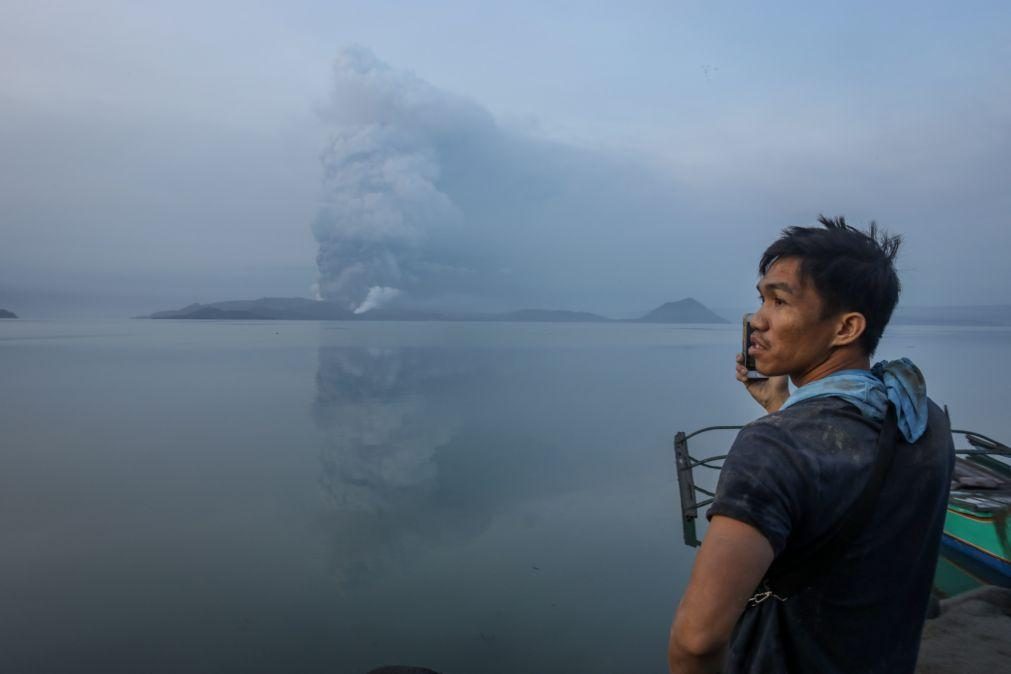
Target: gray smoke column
[(428, 201), (385, 219)]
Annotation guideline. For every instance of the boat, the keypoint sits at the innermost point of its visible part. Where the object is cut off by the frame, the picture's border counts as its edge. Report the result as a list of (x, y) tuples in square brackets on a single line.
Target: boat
[(976, 526)]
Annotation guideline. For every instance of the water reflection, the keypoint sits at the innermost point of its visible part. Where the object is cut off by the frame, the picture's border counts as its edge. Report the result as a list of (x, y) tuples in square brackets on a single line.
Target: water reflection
[(507, 489), (382, 430), (386, 416)]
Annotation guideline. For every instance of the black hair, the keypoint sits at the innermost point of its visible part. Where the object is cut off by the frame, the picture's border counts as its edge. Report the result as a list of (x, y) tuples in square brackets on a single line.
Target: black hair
[(852, 270)]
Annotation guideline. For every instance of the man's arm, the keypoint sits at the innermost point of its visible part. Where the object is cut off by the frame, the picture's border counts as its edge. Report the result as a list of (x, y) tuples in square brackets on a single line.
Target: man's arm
[(731, 562)]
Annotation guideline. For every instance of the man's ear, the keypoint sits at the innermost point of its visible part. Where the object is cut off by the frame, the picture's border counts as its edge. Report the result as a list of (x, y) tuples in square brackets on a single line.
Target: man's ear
[(849, 327)]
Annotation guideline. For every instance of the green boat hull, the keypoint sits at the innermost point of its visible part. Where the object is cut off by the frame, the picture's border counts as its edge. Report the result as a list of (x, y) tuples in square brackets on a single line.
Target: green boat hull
[(985, 539), (976, 523)]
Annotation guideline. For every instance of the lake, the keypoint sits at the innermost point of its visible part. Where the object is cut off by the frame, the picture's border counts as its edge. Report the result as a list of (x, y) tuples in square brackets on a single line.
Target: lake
[(332, 497)]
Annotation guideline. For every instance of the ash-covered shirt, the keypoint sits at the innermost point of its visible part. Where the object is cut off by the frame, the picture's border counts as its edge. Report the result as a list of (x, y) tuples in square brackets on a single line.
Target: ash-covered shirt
[(792, 475)]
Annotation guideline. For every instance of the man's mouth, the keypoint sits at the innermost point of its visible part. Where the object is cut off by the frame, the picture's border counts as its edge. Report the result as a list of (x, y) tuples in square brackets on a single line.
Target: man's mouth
[(756, 345)]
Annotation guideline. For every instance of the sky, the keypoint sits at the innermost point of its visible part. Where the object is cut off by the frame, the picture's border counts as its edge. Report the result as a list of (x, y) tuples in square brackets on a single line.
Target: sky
[(495, 155)]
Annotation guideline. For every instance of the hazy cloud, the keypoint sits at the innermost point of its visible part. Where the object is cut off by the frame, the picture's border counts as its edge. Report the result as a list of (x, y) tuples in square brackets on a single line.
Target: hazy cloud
[(427, 195)]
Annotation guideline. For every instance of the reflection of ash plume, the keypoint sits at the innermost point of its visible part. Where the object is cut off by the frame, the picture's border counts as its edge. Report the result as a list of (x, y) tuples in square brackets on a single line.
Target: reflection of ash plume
[(387, 423), (382, 433)]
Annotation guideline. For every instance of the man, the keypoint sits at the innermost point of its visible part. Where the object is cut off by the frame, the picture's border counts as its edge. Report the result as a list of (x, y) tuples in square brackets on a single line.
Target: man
[(826, 295)]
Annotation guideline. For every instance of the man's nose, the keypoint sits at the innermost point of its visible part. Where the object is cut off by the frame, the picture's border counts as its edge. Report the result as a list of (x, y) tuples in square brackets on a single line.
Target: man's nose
[(758, 321)]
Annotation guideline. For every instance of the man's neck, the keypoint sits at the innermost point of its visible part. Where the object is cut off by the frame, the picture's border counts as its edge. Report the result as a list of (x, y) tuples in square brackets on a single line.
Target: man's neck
[(838, 360)]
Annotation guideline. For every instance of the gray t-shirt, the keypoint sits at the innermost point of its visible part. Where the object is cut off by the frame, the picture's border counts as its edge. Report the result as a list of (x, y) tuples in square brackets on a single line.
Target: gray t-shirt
[(792, 475)]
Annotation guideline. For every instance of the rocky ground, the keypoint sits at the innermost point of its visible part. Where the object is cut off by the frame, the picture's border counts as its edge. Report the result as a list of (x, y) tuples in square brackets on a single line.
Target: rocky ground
[(971, 636)]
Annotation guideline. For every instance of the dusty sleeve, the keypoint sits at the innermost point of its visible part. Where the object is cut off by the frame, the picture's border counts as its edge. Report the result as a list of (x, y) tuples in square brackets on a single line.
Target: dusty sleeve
[(762, 483)]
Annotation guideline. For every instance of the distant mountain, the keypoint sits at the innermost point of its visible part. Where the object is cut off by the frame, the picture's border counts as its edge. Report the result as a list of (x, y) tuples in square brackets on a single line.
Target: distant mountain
[(687, 310), (267, 308), (302, 309), (7, 314)]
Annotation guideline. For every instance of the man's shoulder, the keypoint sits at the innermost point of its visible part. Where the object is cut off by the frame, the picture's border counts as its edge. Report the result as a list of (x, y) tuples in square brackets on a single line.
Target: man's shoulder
[(766, 479), (806, 424), (782, 432), (806, 433), (818, 412)]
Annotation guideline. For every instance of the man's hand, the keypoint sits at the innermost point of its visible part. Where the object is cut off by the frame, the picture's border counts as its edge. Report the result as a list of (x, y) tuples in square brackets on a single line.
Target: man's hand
[(731, 562), (770, 393)]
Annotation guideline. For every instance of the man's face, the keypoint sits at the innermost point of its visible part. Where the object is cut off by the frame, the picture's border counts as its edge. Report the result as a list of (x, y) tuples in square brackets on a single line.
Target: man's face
[(790, 336)]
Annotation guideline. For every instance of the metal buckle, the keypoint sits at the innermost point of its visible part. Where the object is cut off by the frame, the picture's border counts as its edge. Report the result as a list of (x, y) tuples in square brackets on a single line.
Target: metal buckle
[(763, 594)]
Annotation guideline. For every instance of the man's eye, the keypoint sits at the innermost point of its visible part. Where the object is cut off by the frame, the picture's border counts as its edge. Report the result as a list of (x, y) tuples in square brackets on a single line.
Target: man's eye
[(778, 302)]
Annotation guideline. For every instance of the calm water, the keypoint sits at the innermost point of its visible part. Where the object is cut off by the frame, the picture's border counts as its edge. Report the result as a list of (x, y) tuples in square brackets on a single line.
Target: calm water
[(330, 497)]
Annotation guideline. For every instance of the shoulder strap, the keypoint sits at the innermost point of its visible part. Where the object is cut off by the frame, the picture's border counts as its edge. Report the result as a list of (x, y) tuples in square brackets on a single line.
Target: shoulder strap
[(790, 575)]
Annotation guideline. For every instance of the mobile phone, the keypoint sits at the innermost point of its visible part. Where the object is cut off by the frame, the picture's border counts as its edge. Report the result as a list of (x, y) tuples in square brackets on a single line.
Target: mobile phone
[(749, 361)]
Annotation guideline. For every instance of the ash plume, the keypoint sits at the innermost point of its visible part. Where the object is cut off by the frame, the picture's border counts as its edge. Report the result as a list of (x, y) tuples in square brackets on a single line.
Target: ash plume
[(385, 212), (428, 201)]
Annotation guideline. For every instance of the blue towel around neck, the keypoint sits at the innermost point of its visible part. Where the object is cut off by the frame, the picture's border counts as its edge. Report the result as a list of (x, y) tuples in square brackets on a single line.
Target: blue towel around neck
[(899, 381)]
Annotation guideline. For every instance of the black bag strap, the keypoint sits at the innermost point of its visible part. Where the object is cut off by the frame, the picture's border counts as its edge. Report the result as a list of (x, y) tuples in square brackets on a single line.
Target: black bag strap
[(791, 574)]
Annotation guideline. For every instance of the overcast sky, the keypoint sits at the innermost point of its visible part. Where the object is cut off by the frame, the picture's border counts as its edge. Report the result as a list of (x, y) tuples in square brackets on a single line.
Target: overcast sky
[(518, 154)]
